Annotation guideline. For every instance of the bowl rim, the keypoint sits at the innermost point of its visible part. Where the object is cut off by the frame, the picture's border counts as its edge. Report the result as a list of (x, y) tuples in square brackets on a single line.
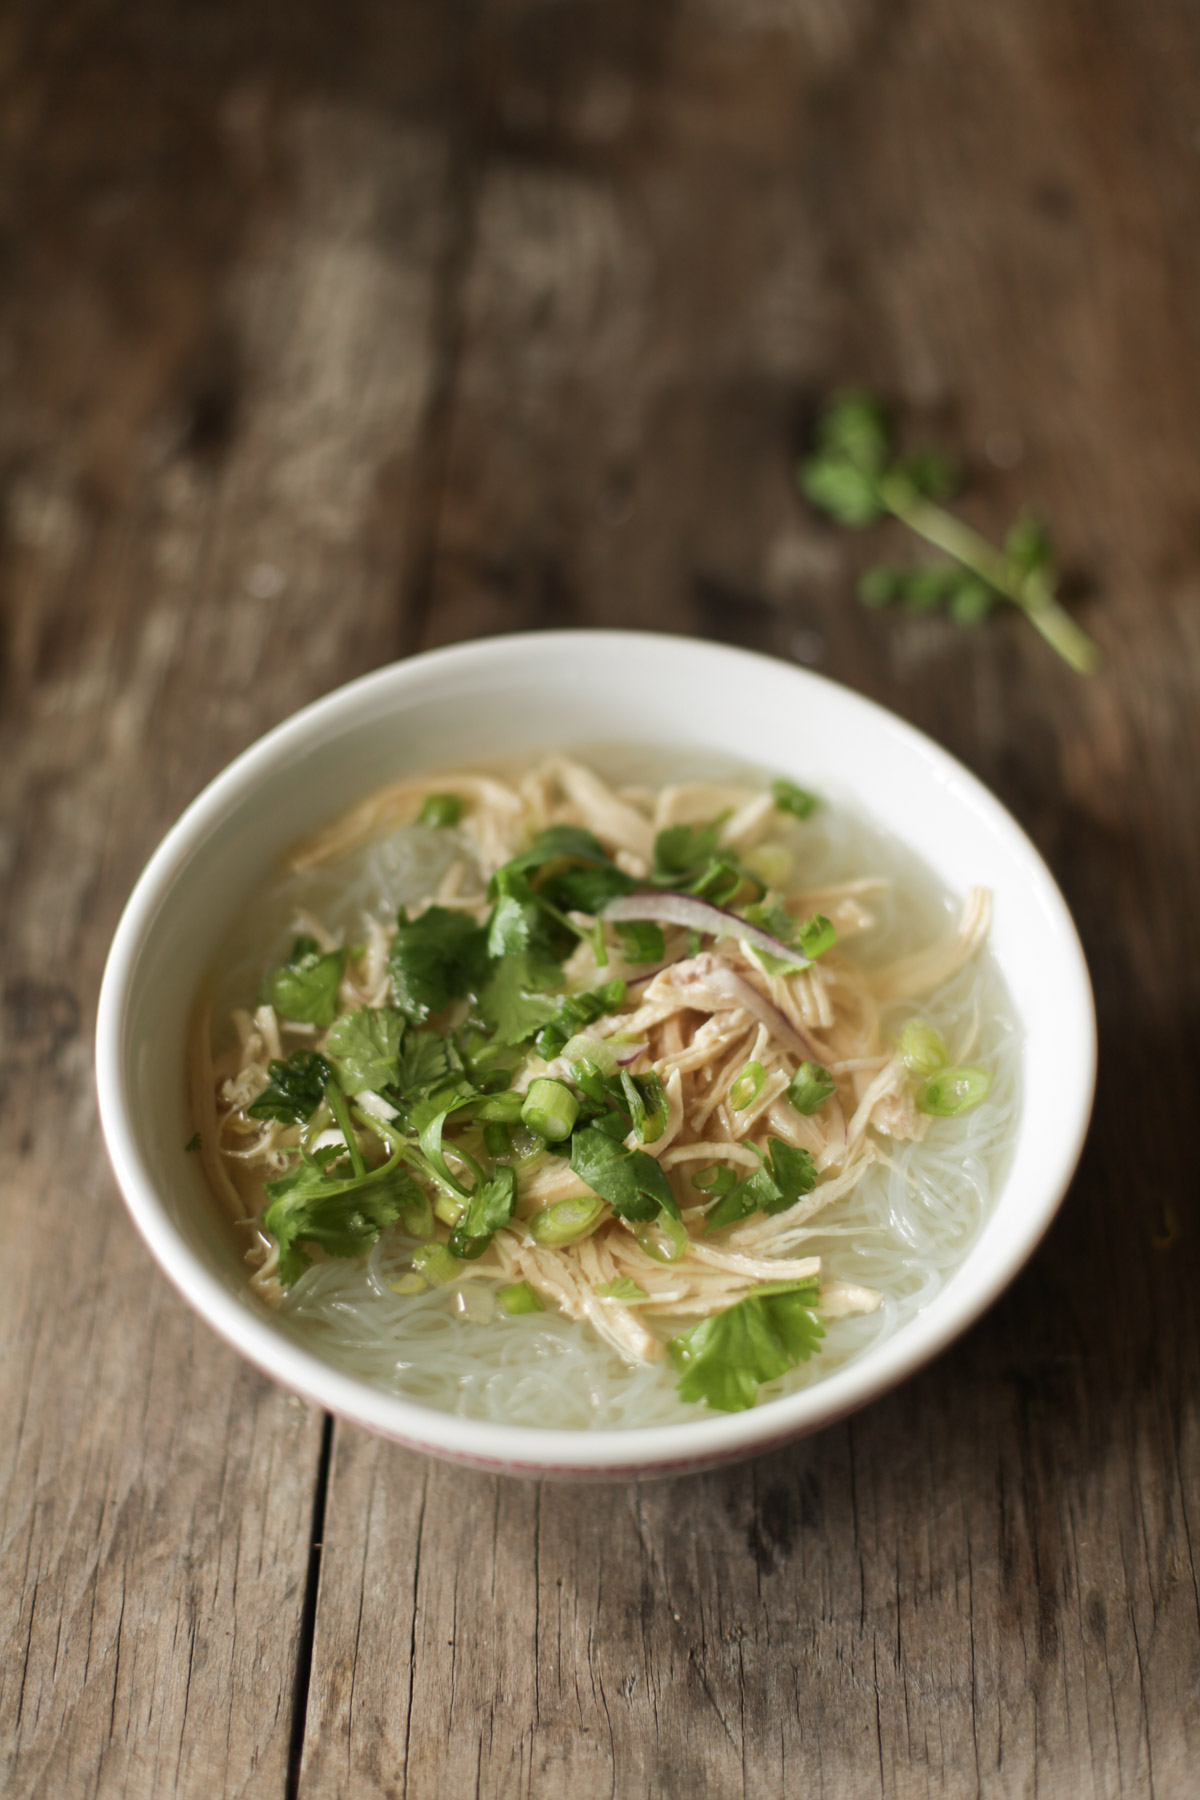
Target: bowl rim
[(712, 1438)]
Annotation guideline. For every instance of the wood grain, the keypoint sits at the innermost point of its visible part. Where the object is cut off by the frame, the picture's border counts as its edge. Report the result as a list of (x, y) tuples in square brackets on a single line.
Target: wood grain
[(320, 345)]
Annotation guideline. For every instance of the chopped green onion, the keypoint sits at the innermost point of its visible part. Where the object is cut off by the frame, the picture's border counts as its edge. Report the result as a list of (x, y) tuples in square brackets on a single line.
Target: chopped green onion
[(747, 1087), (412, 1283), (566, 1221), (663, 1239), (810, 1087), (952, 1091), (193, 1142), (497, 1139), (518, 1298), (440, 810), (449, 1208), (465, 1248), (500, 1109), (715, 1178), (416, 1212), (771, 863), (550, 1109), (922, 1050), (792, 799), (593, 1051), (436, 1263)]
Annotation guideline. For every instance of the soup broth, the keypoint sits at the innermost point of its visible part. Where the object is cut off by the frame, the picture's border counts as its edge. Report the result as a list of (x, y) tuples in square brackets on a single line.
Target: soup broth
[(906, 1210)]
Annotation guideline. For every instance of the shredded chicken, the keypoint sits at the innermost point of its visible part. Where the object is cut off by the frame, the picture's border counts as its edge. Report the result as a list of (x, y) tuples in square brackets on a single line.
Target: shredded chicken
[(702, 1019)]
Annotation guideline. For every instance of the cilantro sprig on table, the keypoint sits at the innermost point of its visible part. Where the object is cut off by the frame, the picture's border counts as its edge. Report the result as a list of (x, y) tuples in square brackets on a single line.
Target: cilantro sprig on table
[(855, 475)]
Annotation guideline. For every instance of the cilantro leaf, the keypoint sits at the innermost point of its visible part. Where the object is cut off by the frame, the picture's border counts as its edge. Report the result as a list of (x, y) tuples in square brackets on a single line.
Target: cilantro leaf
[(681, 850), (725, 1358), (567, 867), (308, 1205), (306, 986), (785, 1175), (427, 1061), (491, 1205), (438, 957), (623, 1288), (632, 1182), (773, 918), (815, 936), (516, 1002), (294, 1088), (794, 1173), (365, 1046), (575, 1011), (854, 475), (517, 922)]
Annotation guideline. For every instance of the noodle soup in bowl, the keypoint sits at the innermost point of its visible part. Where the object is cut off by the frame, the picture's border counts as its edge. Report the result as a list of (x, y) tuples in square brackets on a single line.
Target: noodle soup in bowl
[(608, 1240)]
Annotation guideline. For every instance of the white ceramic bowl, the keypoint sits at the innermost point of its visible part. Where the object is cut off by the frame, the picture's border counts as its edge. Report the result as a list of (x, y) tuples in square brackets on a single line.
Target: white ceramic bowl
[(505, 696)]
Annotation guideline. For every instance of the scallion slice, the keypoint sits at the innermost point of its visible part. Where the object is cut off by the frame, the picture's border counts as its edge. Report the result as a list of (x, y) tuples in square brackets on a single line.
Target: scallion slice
[(440, 810), (518, 1298), (715, 1178), (747, 1087), (951, 1092), (566, 1221), (921, 1049), (663, 1239), (436, 1263), (550, 1109)]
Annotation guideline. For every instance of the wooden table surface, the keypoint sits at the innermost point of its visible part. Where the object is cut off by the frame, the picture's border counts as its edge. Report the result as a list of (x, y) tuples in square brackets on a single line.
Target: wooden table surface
[(329, 334)]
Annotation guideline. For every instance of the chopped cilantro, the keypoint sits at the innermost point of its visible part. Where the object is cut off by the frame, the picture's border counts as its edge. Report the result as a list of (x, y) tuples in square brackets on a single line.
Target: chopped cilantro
[(632, 1182), (810, 1087), (193, 1142), (623, 1288), (785, 1175), (438, 957), (516, 1002), (365, 1045), (491, 1205), (294, 1088), (577, 1010), (305, 987), (725, 1358), (427, 1061), (309, 1205), (568, 869), (682, 850)]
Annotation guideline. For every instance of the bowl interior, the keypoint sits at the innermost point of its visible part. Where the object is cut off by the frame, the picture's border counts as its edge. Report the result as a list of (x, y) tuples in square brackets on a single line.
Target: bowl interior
[(500, 699)]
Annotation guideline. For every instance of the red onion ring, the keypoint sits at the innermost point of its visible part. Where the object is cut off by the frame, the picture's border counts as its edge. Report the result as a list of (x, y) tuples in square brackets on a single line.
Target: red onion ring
[(670, 908)]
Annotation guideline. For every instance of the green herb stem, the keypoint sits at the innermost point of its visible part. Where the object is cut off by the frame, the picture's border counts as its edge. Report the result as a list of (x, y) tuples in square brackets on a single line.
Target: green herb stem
[(1032, 593)]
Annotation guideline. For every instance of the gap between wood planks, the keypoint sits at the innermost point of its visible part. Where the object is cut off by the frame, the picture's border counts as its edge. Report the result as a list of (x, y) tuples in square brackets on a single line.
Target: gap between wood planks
[(432, 458)]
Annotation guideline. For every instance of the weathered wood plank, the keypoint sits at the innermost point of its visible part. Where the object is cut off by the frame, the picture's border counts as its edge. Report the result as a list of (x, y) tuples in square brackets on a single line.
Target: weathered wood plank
[(207, 504), (683, 230)]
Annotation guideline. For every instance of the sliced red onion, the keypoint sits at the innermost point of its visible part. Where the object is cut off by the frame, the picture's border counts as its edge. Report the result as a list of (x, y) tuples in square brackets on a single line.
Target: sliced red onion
[(629, 1054), (728, 981), (699, 915)]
